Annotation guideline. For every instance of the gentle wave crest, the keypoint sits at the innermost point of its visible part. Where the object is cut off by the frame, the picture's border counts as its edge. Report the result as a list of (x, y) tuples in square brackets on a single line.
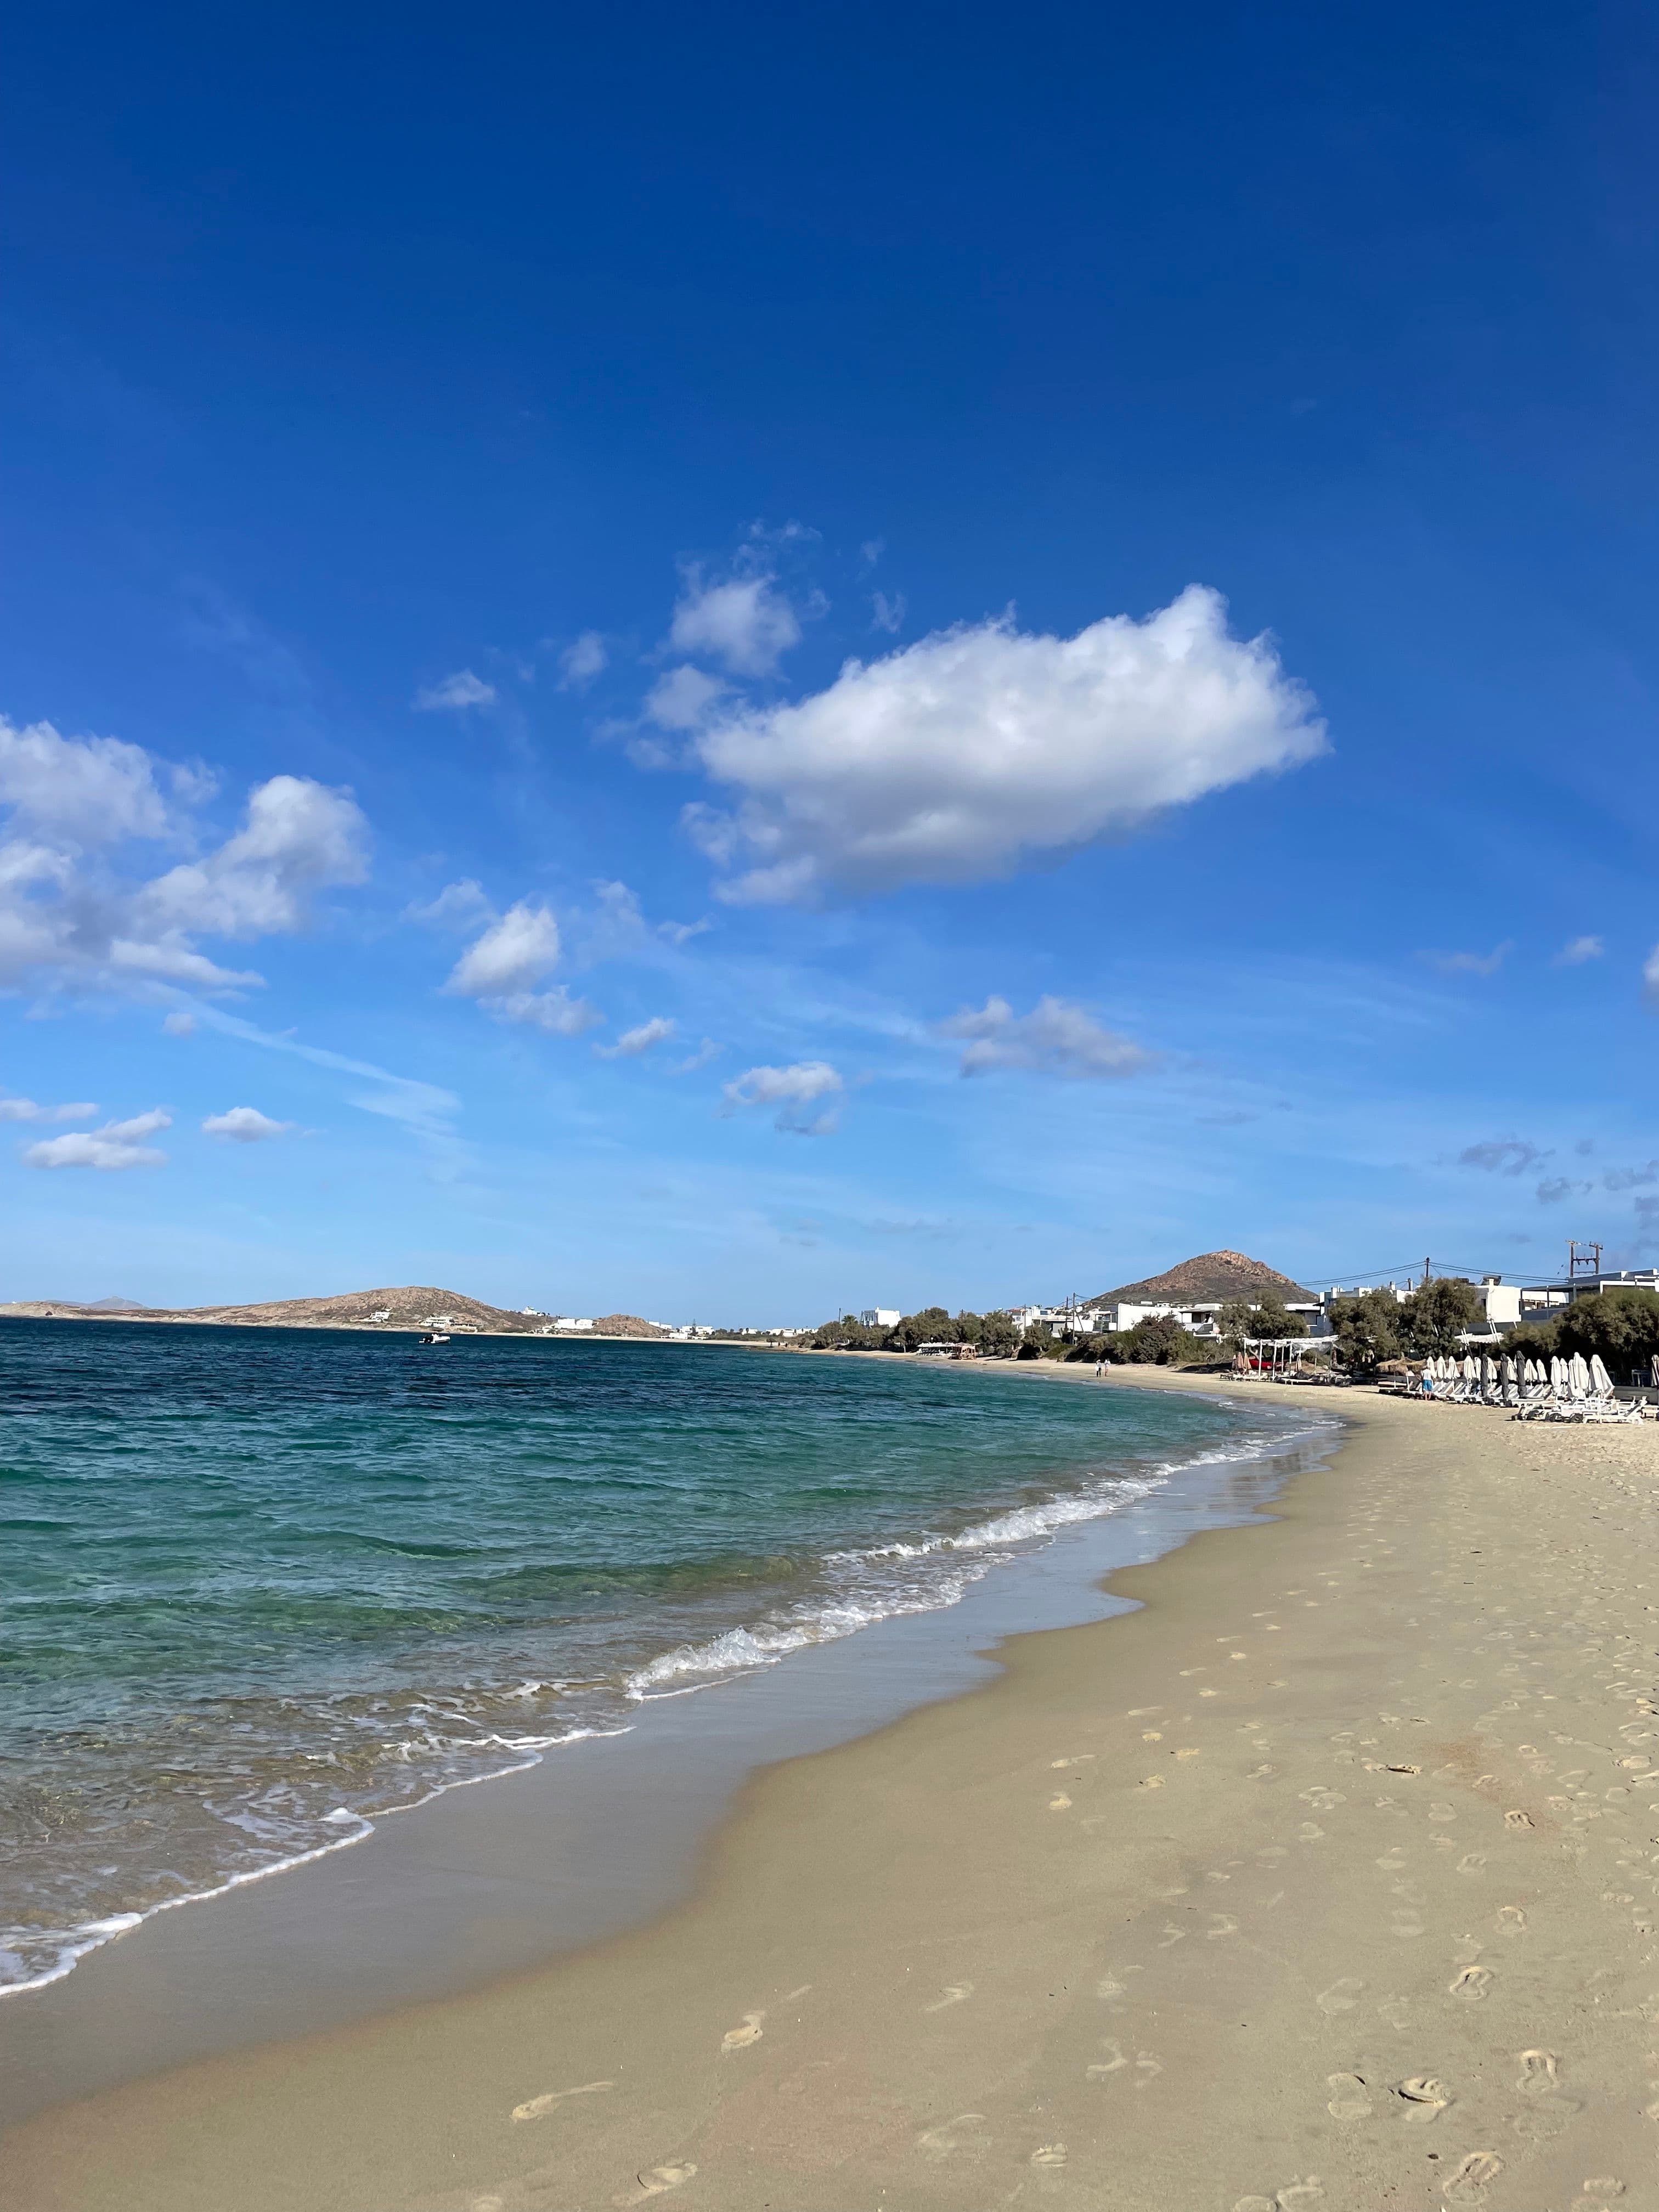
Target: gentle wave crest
[(677, 1529)]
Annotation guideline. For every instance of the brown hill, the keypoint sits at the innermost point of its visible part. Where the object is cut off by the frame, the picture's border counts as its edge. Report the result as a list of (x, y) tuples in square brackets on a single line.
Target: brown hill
[(625, 1325), (1210, 1275), (413, 1306)]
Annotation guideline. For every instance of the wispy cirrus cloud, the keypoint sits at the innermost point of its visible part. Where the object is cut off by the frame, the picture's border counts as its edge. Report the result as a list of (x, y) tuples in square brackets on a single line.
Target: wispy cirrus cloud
[(1470, 963)]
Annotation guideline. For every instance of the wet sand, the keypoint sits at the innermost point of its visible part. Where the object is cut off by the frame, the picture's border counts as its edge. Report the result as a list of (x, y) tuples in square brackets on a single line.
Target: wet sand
[(1325, 1879)]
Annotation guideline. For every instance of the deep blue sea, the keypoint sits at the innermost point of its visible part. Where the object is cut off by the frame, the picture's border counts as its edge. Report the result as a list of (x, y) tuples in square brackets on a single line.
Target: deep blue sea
[(259, 1588)]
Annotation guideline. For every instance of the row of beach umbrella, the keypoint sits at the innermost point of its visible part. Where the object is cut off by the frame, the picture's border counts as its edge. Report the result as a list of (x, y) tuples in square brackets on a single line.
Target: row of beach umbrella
[(1573, 1384)]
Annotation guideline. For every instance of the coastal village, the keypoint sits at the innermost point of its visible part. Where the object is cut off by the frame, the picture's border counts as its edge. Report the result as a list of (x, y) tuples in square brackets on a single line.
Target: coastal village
[(1214, 1305)]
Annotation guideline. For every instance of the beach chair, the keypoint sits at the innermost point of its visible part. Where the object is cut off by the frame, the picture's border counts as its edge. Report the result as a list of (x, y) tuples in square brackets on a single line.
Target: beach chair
[(1605, 1404)]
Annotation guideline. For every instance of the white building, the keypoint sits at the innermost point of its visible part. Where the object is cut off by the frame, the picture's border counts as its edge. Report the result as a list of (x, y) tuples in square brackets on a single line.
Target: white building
[(880, 1317)]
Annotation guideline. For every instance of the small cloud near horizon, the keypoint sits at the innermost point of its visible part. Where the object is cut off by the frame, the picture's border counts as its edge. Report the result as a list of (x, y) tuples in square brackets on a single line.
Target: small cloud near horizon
[(117, 1144), (1577, 949)]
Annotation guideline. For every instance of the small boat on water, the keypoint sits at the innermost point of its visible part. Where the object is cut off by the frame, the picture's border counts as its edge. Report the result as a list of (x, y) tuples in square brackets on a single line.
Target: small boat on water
[(432, 1337)]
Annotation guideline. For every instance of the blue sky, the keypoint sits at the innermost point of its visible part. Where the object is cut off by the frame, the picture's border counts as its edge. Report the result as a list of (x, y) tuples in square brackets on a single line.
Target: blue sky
[(725, 664)]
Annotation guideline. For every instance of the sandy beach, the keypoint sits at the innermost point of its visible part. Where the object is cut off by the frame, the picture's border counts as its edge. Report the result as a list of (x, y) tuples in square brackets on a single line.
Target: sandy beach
[(1327, 1878)]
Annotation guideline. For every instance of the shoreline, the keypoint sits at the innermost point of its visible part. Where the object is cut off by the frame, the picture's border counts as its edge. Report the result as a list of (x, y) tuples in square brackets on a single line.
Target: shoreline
[(1247, 1887), (824, 1689)]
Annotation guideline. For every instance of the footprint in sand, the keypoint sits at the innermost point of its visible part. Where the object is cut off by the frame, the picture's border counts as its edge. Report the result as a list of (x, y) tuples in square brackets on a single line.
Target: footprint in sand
[(1062, 1803), (1603, 2185), (739, 2038), (1472, 2178), (1049, 2155), (953, 1993), (1517, 1820), (964, 2133), (1511, 1920), (1424, 2097), (1472, 1863), (550, 2099), (1349, 2101), (1540, 2073), (656, 2182), (1341, 1996), (1473, 1982), (1295, 2195)]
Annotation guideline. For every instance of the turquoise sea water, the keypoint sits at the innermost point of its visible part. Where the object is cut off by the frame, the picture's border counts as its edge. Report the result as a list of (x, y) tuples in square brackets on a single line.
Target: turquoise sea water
[(259, 1588)]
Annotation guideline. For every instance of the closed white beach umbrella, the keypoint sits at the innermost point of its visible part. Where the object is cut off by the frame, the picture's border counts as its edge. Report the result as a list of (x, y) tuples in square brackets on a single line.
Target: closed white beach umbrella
[(1558, 1374), (1470, 1372), (1600, 1380), (1510, 1375), (1581, 1376)]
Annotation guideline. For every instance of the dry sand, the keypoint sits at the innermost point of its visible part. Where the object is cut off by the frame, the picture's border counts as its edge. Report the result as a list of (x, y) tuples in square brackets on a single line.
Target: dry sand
[(1327, 1879)]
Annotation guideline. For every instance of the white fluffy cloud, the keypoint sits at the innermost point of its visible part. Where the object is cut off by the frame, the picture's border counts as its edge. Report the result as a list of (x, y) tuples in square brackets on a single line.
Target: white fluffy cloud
[(117, 1144), (795, 1091), (244, 1125), (1055, 1038), (579, 664), (502, 969), (634, 1042), (745, 622), (980, 747), (512, 955), (556, 1011), (682, 698), (461, 689), (1577, 949), (25, 1109), (87, 791), (299, 837), (75, 909)]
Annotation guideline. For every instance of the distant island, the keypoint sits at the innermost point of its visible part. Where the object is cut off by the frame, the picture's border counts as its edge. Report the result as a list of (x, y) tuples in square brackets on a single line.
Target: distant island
[(414, 1306)]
